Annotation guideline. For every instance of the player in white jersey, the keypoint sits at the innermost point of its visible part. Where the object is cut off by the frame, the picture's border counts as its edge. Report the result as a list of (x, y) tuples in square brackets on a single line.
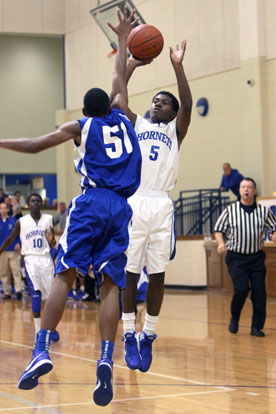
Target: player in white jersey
[(36, 232), (152, 242)]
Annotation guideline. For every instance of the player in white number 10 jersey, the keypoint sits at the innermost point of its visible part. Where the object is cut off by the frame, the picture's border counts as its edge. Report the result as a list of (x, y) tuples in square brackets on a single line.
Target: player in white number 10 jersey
[(108, 157), (152, 242), (36, 232)]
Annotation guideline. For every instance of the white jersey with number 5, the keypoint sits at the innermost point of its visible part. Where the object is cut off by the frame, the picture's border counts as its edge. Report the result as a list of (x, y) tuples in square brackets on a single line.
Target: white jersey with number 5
[(160, 154), (33, 235)]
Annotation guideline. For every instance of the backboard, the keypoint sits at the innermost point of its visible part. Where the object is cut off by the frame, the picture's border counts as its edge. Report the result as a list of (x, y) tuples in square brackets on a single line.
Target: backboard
[(108, 12)]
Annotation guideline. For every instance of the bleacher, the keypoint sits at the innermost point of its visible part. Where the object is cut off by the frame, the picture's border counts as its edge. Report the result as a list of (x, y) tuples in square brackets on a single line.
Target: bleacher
[(196, 211)]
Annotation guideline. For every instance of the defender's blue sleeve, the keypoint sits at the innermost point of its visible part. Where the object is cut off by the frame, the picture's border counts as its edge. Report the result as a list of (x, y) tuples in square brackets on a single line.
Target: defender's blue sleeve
[(82, 121)]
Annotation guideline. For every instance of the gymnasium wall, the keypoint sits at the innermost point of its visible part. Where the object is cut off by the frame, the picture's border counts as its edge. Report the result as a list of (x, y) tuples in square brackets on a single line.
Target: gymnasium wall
[(32, 16), (31, 85), (211, 29), (240, 127)]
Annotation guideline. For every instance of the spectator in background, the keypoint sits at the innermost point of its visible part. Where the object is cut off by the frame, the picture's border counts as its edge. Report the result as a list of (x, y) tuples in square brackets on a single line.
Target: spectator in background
[(10, 258), (61, 217), (8, 203), (17, 212), (18, 199), (46, 203), (54, 203), (3, 195), (231, 180), (91, 293)]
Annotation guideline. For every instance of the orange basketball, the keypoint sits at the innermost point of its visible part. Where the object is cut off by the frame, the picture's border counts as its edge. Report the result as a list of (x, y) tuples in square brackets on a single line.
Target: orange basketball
[(145, 42)]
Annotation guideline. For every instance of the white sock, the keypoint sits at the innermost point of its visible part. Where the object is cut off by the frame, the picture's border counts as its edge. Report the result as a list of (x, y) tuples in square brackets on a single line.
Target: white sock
[(37, 323), (150, 324), (128, 322)]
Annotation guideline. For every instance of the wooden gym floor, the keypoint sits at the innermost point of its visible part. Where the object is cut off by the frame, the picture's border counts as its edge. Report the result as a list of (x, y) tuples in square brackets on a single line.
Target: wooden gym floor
[(198, 367)]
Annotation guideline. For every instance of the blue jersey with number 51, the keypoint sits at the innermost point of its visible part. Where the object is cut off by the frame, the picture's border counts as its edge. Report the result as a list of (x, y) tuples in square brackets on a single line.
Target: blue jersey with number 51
[(109, 154)]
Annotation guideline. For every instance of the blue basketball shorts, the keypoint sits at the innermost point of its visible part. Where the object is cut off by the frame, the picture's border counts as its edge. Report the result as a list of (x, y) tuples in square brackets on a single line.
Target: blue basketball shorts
[(97, 233)]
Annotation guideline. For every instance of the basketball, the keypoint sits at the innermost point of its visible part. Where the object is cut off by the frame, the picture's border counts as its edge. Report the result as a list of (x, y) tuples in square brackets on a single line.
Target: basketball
[(145, 42)]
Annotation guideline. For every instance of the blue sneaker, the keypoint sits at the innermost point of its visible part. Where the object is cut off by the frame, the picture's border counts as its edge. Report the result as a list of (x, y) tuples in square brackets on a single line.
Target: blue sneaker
[(132, 356), (70, 294), (144, 343), (103, 392), (39, 365), (55, 336)]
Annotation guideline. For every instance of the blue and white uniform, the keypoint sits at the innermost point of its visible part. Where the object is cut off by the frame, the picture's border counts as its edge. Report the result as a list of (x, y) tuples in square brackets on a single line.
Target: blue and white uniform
[(96, 231), (35, 248), (152, 242)]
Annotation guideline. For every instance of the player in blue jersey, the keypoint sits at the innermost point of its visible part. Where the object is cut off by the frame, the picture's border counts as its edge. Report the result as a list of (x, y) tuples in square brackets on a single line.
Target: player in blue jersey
[(108, 157)]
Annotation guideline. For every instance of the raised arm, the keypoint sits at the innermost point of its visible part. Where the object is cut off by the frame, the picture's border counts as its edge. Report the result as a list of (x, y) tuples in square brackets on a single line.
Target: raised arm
[(70, 130), (11, 237), (184, 112), (119, 84), (132, 64)]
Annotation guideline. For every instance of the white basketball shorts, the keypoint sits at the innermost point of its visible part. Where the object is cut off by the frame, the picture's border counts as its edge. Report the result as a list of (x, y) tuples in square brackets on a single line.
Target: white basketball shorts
[(152, 235), (40, 271)]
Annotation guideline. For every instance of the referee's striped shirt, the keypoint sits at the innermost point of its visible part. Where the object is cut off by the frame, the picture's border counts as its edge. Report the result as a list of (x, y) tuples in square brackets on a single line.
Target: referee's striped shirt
[(245, 231)]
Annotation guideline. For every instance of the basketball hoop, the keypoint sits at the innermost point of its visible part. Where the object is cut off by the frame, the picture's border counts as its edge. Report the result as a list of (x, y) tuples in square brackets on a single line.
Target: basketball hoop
[(112, 53)]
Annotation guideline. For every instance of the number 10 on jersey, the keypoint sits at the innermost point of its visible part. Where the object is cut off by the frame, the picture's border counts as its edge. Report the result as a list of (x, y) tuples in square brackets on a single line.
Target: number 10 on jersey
[(37, 243)]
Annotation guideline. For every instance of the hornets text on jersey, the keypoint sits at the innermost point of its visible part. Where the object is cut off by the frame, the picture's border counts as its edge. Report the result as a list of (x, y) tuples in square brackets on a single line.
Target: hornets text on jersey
[(109, 155), (160, 154)]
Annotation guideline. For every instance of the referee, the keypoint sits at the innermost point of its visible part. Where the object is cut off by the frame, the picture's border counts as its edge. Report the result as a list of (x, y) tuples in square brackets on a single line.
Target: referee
[(244, 224)]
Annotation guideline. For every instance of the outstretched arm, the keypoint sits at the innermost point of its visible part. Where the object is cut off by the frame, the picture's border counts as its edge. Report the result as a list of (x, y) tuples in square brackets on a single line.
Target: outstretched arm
[(184, 112), (119, 84), (34, 145), (11, 237), (132, 64)]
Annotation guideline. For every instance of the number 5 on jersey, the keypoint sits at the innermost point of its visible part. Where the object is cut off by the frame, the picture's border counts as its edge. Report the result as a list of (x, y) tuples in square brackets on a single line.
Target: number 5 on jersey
[(154, 152)]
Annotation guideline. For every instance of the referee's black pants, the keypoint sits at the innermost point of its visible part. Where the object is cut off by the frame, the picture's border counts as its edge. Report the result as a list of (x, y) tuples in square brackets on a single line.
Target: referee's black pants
[(248, 272)]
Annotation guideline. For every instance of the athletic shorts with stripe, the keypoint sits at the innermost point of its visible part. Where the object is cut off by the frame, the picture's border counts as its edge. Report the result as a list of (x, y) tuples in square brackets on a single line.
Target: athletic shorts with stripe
[(40, 271), (97, 233), (152, 236)]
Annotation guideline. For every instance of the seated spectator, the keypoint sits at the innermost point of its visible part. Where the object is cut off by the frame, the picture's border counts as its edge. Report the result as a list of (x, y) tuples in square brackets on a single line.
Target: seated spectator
[(61, 217), (8, 203), (3, 195), (18, 199), (231, 180)]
